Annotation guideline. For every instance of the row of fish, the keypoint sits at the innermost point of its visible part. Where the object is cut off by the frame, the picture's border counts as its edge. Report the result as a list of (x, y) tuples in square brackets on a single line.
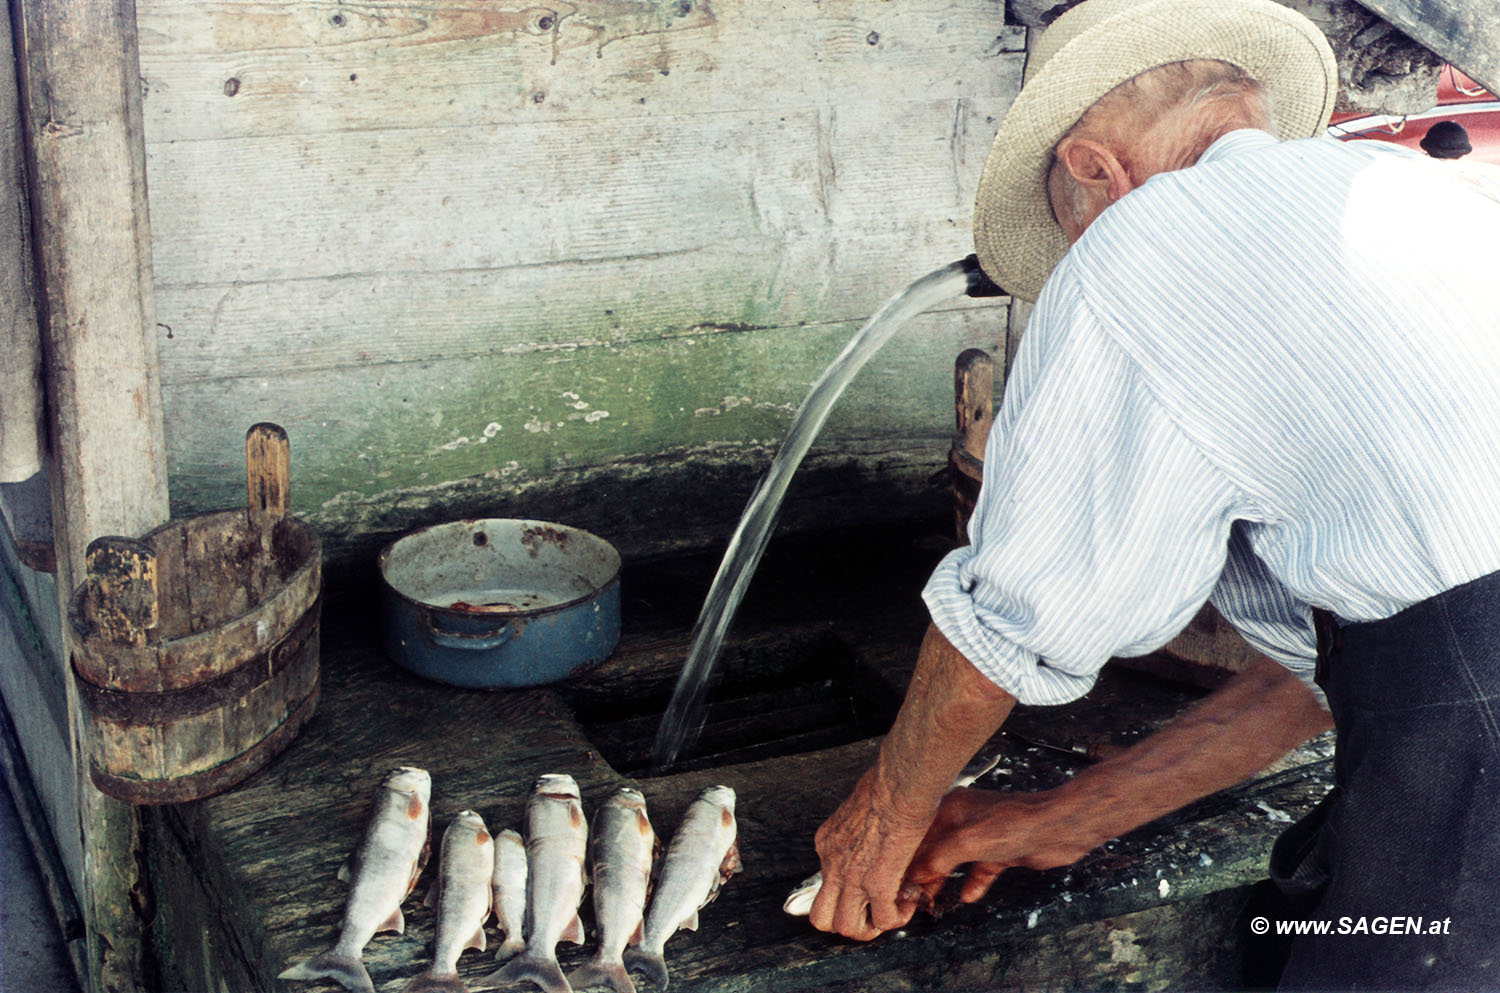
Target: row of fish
[(534, 888)]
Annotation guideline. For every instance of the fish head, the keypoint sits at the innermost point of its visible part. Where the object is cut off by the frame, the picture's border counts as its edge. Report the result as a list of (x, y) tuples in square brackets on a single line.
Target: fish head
[(625, 796), (722, 796), (470, 823), (556, 785), (409, 779)]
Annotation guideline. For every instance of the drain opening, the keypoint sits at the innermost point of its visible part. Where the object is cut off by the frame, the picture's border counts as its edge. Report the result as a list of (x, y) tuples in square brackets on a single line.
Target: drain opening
[(776, 697)]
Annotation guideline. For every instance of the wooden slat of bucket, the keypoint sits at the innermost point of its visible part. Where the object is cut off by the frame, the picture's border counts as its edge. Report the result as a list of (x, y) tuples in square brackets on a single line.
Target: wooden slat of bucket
[(121, 605), (220, 551), (268, 467)]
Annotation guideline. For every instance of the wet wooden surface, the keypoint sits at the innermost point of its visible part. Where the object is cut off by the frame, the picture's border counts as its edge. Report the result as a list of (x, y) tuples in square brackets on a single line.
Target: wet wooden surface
[(245, 883)]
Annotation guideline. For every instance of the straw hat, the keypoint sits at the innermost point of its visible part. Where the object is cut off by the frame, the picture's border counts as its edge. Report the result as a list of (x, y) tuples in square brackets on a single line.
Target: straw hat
[(1090, 50)]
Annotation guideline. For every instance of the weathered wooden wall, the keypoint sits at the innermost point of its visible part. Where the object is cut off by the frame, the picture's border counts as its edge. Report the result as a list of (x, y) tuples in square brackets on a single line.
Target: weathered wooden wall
[(477, 241)]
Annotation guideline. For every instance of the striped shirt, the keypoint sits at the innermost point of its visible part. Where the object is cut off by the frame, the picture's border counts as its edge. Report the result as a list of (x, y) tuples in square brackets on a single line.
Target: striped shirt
[(1270, 380)]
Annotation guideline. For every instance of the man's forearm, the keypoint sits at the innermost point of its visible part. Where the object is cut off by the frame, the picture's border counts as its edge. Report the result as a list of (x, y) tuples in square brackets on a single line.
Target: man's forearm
[(950, 710), (1242, 727)]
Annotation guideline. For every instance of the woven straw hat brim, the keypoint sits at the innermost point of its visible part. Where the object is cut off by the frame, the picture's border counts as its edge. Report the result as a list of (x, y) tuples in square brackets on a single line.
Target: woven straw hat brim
[(1092, 49)]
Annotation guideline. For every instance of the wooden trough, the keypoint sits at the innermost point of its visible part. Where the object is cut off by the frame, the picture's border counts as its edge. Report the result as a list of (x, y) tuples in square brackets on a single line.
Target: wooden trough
[(195, 648)]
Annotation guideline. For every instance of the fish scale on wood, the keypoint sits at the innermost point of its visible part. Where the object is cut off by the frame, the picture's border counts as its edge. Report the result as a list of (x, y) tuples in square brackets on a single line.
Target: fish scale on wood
[(381, 875)]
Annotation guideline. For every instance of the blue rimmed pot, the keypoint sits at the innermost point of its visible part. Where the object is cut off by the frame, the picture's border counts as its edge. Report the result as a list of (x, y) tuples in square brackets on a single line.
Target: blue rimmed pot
[(498, 603)]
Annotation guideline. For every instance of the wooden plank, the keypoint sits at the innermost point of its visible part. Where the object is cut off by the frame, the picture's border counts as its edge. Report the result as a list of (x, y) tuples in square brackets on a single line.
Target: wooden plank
[(480, 199), (80, 76), (377, 430), (261, 330), (22, 432), (241, 69), (1465, 33)]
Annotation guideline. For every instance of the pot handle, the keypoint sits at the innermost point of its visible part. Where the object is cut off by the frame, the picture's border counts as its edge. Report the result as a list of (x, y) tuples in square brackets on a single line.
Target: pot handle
[(477, 641)]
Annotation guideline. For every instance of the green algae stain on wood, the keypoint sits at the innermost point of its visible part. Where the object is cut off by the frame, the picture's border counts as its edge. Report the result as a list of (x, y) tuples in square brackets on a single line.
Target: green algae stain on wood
[(519, 416)]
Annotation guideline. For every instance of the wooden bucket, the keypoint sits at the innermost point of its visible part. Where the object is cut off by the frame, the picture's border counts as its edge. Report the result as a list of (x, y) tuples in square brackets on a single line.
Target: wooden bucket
[(1206, 653), (195, 648)]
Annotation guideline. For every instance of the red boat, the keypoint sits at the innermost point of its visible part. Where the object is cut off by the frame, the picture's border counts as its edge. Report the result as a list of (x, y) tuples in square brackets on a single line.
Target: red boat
[(1460, 100)]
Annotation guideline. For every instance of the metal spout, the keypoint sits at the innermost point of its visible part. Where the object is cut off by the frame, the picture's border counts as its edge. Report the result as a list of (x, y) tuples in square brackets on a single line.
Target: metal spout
[(979, 284)]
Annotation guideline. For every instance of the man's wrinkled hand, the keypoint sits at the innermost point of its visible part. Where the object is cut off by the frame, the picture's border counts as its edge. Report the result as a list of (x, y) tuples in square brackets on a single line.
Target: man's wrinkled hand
[(989, 832), (865, 848)]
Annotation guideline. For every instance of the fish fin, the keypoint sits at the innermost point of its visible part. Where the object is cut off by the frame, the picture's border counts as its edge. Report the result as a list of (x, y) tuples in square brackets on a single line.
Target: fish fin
[(597, 971), (416, 874), (545, 972), (731, 863), (477, 942), (639, 935), (430, 901), (348, 971), (573, 932), (690, 923), (422, 857), (346, 871), (437, 982), (396, 922), (509, 948), (652, 963)]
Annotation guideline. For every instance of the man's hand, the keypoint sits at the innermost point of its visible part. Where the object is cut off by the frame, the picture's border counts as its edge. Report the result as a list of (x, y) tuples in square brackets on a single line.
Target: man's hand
[(950, 710), (865, 847), (990, 832)]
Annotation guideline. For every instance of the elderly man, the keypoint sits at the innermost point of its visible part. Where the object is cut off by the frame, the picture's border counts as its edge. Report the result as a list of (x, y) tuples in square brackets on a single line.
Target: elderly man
[(1263, 370)]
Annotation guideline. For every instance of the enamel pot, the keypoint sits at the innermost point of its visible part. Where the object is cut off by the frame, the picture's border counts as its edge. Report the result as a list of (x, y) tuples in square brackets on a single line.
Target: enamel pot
[(499, 603)]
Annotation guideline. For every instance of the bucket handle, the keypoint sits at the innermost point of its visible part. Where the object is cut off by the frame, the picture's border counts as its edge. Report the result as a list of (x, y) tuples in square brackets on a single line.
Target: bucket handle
[(477, 641)]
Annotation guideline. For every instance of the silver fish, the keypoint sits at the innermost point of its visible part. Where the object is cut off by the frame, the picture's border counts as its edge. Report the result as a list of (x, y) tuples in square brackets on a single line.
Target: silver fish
[(383, 871), (556, 845), (703, 855), (799, 902), (622, 847), (508, 887), (462, 899)]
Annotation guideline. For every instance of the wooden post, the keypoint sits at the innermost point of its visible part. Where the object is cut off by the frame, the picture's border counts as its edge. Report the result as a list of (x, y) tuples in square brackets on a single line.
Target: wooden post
[(974, 415), (81, 99)]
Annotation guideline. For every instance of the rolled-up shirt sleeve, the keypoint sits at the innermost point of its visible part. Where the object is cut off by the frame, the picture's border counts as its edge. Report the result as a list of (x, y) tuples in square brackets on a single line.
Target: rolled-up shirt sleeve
[(1100, 527)]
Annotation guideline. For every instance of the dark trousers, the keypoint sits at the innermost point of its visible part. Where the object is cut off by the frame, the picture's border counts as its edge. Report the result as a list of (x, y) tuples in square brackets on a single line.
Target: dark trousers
[(1403, 856)]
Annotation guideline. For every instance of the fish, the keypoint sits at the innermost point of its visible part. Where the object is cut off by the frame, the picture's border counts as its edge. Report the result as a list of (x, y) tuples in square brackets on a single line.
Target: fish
[(461, 897), (556, 877), (622, 848), (703, 854), (381, 874), (508, 890), (799, 902)]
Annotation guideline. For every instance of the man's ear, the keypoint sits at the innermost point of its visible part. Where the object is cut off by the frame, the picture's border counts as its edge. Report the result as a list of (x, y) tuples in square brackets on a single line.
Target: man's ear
[(1095, 167)]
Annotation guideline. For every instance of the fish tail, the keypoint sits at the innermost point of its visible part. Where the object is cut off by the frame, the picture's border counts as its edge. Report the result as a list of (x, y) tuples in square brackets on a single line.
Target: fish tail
[(653, 962), (346, 970), (437, 982), (539, 969), (509, 948), (600, 971)]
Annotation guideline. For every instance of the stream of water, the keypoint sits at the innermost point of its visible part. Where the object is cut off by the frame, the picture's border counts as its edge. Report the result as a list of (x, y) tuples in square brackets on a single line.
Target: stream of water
[(684, 715)]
